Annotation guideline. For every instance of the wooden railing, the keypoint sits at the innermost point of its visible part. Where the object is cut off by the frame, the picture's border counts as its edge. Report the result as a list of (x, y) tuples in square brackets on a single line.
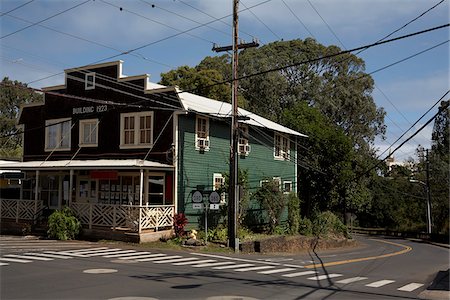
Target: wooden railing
[(20, 209), (131, 217)]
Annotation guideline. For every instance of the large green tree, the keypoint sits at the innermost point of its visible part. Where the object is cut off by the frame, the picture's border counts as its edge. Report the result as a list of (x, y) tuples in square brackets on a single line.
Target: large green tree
[(12, 95)]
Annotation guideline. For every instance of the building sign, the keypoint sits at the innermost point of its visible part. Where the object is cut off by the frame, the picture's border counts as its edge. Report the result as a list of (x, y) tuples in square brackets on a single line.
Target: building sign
[(104, 174), (89, 109)]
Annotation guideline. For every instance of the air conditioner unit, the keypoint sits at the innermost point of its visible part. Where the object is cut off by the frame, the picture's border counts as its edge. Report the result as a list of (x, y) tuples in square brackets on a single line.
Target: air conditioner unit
[(202, 143), (244, 149)]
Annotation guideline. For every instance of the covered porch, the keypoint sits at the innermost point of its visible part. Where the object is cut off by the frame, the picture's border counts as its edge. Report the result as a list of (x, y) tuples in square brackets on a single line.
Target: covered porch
[(127, 195)]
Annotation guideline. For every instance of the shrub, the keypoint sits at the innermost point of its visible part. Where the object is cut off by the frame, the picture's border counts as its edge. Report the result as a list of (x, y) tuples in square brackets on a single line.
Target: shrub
[(218, 234), (293, 213), (63, 225), (327, 224), (179, 222), (272, 200), (305, 227)]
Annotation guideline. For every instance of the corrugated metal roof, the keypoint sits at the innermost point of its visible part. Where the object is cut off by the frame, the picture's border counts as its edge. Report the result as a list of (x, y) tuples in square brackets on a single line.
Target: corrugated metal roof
[(216, 108), (86, 164)]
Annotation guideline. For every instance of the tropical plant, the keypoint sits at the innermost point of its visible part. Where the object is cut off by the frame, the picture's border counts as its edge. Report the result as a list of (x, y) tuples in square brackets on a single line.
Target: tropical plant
[(63, 225)]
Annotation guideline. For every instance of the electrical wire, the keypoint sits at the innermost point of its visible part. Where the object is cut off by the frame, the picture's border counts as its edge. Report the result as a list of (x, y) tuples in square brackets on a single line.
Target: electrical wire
[(16, 8), (298, 19), (261, 21)]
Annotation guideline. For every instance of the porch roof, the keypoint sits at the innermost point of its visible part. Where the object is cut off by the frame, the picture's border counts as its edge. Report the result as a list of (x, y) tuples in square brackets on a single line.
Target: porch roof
[(86, 165)]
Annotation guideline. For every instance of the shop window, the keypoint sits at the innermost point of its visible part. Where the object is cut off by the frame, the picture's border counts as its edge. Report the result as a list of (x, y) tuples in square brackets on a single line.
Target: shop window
[(156, 189)]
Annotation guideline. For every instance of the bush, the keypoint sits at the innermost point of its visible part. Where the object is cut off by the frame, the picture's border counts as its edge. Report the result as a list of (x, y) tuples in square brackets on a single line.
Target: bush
[(179, 222), (293, 213), (327, 224), (305, 227), (218, 234), (63, 225), (272, 201)]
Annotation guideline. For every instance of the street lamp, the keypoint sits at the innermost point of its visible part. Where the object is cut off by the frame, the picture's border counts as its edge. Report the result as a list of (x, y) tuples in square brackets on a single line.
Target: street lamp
[(427, 189)]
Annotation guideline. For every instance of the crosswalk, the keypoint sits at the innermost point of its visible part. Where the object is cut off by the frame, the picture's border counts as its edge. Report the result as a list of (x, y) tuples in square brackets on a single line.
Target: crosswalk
[(214, 262)]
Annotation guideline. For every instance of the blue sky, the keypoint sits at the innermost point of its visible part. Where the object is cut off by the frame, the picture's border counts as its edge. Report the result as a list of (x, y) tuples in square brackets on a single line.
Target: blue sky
[(96, 30)]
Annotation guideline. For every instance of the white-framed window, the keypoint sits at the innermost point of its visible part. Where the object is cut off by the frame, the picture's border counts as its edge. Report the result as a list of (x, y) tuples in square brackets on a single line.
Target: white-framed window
[(277, 180), (57, 134), (89, 81), (218, 183), (263, 182), (136, 130), (287, 187), (156, 189), (89, 133), (281, 147), (243, 146), (202, 133)]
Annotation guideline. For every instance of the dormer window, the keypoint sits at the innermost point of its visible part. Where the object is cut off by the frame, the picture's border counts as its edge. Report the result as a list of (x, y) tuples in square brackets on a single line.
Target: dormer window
[(89, 82), (281, 147), (202, 134)]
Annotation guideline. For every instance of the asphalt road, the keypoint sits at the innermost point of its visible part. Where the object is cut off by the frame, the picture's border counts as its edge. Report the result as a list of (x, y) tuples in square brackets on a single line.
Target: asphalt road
[(380, 268)]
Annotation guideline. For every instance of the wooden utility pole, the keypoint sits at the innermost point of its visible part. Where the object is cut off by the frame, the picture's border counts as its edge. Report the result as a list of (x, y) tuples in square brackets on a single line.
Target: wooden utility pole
[(233, 199)]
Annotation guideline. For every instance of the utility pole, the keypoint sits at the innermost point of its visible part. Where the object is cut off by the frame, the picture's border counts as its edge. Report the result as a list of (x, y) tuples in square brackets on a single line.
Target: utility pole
[(428, 193), (233, 199)]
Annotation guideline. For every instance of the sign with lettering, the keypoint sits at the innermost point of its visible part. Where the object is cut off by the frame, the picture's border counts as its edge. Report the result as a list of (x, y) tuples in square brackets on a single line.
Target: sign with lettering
[(89, 109), (214, 198), (197, 197)]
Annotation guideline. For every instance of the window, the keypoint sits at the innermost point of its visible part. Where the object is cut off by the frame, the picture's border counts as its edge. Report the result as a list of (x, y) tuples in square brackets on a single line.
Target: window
[(89, 81), (57, 134), (156, 188), (202, 133), (89, 133), (218, 184), (287, 187), (282, 147), (136, 130), (277, 180), (243, 147)]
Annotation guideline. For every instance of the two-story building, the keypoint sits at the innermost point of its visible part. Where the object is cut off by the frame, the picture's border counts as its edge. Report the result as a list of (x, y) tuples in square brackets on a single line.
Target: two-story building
[(125, 153)]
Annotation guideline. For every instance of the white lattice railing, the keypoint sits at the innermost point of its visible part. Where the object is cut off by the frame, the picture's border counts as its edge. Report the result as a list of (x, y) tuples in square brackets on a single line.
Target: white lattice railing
[(20, 209), (135, 218)]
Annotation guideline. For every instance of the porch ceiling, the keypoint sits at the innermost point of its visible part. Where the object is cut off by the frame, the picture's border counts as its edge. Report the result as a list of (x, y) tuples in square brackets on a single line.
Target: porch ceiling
[(86, 164)]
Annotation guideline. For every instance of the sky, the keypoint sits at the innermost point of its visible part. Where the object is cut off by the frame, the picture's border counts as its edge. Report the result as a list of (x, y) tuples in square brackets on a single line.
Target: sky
[(41, 38)]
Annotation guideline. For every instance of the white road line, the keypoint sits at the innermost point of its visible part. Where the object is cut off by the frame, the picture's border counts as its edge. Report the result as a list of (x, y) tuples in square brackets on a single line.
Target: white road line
[(379, 283), (3, 264), (65, 253), (214, 264), (142, 256), (159, 258), (410, 287), (176, 260), (299, 274), (254, 268), (194, 262), (124, 253), (28, 257), (351, 280), (48, 255), (102, 252), (15, 260), (322, 277), (79, 251), (233, 266), (277, 271)]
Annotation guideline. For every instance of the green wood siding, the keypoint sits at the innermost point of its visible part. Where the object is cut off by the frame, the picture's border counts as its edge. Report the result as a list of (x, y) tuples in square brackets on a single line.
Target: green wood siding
[(196, 168)]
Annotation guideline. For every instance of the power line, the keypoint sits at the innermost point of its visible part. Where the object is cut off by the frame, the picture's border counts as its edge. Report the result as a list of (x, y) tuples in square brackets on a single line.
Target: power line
[(48, 18), (16, 8), (261, 21), (298, 19)]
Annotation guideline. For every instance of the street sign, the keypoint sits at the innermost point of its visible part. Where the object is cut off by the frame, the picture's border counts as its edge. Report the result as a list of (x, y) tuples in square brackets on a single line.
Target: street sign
[(214, 206), (214, 198), (197, 197), (197, 206)]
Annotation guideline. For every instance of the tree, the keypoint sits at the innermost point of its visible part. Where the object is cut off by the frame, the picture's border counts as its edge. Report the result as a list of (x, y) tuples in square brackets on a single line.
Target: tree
[(12, 95)]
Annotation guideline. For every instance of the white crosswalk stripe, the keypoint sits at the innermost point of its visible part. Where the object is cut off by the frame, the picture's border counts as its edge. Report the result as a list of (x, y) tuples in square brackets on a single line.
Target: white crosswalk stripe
[(81, 251), (15, 260), (299, 274), (124, 253), (380, 283), (233, 266), (213, 264), (3, 264), (100, 252), (276, 271), (142, 256), (351, 280), (158, 258), (254, 268), (28, 257), (48, 255), (175, 260), (65, 253), (322, 277), (186, 263), (410, 287)]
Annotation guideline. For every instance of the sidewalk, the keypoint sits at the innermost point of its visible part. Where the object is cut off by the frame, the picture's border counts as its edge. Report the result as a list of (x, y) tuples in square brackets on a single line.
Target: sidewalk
[(439, 289)]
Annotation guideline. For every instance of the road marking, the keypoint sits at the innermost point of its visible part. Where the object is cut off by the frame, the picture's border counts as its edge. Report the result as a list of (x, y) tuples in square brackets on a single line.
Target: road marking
[(80, 251), (254, 268), (49, 255), (158, 258), (142, 256), (102, 252), (246, 260), (124, 253), (3, 264), (100, 271), (277, 271), (410, 287), (176, 260), (351, 280), (214, 264), (28, 257), (233, 266), (341, 262), (379, 283), (194, 262), (299, 274), (64, 253), (15, 260), (322, 277)]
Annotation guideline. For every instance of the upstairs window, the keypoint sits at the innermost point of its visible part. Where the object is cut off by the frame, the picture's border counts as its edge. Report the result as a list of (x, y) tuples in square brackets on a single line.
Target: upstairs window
[(89, 81), (202, 133), (136, 130), (89, 133), (57, 134), (243, 146), (281, 147), (287, 187)]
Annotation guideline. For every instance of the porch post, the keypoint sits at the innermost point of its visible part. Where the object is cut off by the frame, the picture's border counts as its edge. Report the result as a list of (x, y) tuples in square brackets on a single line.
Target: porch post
[(70, 187), (141, 188), (36, 194)]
